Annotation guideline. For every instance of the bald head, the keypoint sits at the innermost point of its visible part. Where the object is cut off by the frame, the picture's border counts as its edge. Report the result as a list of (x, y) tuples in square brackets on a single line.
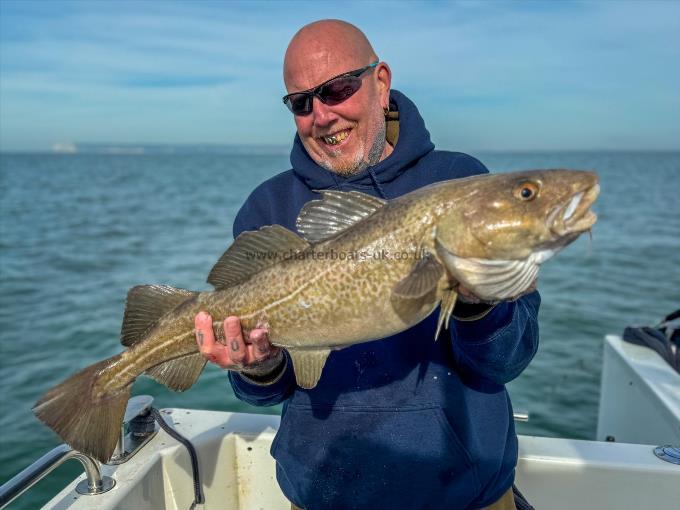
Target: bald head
[(343, 136), (323, 49)]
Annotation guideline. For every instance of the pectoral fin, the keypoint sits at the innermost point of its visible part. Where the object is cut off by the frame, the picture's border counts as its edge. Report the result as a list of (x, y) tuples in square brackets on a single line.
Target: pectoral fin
[(308, 365), (422, 279), (447, 305)]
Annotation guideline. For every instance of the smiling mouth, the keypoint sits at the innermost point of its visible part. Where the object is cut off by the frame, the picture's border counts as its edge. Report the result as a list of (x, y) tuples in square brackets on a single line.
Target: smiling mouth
[(336, 138)]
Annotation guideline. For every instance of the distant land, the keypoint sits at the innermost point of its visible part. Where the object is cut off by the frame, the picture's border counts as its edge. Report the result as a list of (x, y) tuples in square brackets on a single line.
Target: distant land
[(115, 148)]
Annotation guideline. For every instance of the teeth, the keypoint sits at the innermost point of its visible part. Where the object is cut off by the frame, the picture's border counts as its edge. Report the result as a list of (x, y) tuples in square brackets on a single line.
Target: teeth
[(576, 199), (336, 138)]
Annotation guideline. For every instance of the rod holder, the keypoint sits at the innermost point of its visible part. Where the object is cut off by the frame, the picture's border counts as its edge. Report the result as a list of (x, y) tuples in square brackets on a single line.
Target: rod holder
[(140, 428)]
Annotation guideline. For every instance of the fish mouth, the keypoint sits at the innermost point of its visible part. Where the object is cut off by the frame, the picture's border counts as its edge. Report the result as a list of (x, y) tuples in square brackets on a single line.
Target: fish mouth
[(574, 216)]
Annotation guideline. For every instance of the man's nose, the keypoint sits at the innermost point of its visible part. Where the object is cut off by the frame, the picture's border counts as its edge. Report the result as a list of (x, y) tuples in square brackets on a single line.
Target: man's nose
[(323, 114)]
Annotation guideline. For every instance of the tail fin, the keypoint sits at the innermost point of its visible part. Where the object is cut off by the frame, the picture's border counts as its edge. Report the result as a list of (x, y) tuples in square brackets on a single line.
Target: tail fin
[(88, 423)]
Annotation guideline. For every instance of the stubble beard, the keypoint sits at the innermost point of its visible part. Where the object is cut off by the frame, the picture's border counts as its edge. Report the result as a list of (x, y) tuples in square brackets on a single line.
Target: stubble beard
[(363, 158)]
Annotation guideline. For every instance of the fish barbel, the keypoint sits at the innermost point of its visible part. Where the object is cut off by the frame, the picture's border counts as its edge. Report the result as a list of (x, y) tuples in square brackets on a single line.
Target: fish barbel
[(363, 269)]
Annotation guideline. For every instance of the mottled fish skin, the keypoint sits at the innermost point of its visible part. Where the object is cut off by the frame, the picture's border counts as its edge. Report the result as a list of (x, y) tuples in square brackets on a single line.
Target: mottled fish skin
[(306, 302), (317, 301)]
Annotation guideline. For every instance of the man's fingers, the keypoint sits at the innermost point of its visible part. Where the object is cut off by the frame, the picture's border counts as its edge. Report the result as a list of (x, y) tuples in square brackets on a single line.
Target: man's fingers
[(255, 335), (233, 352), (205, 336), (532, 287), (260, 348), (234, 336)]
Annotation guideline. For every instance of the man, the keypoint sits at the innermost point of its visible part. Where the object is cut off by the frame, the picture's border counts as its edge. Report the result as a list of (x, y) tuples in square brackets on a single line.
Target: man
[(403, 422)]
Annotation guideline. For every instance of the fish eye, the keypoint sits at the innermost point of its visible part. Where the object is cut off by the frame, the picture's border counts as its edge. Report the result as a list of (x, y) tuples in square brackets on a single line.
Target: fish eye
[(526, 191)]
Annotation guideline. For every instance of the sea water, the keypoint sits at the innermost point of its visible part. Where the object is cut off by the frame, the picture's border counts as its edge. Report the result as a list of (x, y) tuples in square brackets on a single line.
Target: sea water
[(78, 230)]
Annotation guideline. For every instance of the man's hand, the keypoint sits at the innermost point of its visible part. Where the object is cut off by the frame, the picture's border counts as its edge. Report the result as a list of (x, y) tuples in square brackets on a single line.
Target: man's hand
[(254, 355), (467, 296)]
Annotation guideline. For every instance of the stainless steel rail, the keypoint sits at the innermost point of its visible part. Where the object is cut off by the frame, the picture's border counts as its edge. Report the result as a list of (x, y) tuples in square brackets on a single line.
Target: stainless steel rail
[(521, 415), (94, 484)]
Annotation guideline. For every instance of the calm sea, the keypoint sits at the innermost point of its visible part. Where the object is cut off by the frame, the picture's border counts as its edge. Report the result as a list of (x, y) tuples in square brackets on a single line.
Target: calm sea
[(76, 231)]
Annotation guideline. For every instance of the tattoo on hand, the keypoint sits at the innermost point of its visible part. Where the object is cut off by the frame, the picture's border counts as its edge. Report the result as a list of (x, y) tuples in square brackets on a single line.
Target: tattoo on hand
[(234, 345), (199, 333)]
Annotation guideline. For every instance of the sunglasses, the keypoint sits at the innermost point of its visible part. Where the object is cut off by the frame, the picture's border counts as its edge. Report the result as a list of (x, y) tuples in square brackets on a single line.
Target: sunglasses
[(331, 92)]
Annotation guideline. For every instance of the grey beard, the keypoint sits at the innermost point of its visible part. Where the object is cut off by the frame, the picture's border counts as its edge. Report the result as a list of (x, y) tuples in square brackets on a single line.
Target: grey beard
[(374, 153)]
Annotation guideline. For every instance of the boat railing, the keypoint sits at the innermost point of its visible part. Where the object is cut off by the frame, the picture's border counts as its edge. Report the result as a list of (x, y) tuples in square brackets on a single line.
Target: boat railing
[(521, 415), (94, 483), (142, 429)]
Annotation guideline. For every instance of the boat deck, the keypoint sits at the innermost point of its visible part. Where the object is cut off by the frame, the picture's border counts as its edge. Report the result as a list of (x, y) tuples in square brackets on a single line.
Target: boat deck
[(238, 472)]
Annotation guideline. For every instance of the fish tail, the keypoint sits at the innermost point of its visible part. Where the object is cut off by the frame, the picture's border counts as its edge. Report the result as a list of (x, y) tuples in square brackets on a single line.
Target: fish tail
[(89, 422)]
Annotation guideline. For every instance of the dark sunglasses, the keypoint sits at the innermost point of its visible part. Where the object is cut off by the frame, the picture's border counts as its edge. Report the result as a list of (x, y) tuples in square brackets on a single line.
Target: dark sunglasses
[(331, 92)]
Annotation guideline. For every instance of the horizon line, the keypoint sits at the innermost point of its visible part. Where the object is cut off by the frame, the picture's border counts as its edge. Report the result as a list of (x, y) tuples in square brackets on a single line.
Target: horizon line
[(104, 149)]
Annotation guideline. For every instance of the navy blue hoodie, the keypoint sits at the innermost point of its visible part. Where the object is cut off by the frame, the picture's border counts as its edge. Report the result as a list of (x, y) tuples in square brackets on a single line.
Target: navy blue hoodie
[(404, 422)]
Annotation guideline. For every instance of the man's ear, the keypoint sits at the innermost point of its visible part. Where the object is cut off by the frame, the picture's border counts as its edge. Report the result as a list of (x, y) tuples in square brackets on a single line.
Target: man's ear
[(384, 79)]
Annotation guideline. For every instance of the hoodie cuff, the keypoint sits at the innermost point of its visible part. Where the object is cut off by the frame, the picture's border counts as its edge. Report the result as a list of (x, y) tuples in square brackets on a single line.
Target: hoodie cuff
[(486, 325), (470, 311), (268, 392), (270, 377)]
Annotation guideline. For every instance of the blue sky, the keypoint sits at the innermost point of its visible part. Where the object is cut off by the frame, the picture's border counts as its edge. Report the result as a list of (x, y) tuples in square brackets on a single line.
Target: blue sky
[(486, 75)]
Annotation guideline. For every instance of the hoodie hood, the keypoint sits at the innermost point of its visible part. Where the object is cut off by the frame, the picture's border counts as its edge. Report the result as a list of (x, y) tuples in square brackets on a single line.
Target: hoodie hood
[(413, 143)]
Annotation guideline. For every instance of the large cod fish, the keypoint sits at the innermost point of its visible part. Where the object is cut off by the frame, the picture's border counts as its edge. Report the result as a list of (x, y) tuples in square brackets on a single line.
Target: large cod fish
[(364, 269)]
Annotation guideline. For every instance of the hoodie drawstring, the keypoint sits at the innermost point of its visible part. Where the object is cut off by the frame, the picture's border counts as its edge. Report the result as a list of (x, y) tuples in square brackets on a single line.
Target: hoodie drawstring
[(381, 192)]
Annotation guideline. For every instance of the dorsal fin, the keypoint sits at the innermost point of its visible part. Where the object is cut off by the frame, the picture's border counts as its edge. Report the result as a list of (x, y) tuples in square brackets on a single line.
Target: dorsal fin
[(145, 304), (252, 252), (335, 212)]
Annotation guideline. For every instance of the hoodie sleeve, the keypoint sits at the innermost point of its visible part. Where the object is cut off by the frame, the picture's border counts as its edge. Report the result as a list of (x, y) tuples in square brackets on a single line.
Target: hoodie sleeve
[(265, 394), (251, 216), (498, 346)]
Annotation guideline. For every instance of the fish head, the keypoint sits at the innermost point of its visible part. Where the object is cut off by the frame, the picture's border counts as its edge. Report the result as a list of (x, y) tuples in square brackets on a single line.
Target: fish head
[(510, 216), (514, 222)]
